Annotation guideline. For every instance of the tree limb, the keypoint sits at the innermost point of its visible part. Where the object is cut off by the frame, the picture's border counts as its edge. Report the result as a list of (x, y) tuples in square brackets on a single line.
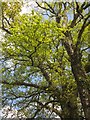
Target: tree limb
[(45, 74), (25, 84), (82, 30), (48, 9)]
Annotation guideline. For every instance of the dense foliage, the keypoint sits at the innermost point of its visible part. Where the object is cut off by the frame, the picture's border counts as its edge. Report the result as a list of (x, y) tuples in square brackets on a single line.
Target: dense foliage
[(43, 59)]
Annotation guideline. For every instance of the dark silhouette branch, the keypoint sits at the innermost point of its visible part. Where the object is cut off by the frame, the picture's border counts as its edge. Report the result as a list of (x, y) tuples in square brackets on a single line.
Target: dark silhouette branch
[(48, 9), (25, 84), (85, 24)]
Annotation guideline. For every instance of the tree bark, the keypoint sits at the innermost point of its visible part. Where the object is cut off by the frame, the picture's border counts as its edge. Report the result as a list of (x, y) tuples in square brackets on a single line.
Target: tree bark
[(81, 80)]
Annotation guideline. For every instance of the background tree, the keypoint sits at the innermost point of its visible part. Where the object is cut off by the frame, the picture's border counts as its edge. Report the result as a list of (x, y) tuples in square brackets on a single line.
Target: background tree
[(43, 59)]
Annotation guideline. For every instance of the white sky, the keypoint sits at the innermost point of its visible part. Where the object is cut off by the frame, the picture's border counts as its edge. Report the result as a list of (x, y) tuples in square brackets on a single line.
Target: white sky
[(28, 6)]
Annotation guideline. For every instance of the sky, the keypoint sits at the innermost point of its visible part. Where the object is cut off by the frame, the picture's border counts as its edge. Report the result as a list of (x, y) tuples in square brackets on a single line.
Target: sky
[(28, 6)]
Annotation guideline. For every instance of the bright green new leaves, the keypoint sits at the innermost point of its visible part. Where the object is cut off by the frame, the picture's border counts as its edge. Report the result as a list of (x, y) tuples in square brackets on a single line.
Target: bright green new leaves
[(31, 36), (11, 9)]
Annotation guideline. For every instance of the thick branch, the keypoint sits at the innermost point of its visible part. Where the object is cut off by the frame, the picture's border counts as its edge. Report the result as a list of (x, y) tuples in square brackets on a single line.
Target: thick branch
[(87, 5), (73, 23), (79, 13), (68, 48), (85, 24), (45, 74), (82, 30)]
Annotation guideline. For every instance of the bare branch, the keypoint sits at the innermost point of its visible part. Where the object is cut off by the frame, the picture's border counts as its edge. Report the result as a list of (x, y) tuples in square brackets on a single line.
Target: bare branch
[(77, 15), (83, 27), (6, 30), (3, 27), (85, 49), (49, 108), (48, 9), (6, 20), (87, 5)]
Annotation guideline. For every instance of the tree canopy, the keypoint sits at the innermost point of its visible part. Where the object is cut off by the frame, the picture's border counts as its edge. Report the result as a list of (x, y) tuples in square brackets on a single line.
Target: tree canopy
[(45, 59)]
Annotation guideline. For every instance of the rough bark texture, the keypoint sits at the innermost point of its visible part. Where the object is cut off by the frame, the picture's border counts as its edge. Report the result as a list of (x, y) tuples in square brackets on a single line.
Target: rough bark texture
[(81, 80), (82, 89)]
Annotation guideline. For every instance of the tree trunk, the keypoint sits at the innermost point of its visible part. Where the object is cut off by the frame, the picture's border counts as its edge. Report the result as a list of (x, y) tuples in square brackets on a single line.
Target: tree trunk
[(81, 80), (69, 108)]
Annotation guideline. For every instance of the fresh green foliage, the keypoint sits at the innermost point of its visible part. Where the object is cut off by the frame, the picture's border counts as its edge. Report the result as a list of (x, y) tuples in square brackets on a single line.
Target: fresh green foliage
[(43, 60)]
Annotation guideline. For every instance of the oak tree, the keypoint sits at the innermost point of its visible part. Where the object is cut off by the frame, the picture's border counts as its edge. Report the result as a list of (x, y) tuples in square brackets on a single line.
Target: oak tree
[(43, 59)]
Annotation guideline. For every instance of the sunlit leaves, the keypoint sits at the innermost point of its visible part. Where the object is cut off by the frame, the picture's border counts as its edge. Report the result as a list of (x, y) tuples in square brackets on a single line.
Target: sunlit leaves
[(11, 9)]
